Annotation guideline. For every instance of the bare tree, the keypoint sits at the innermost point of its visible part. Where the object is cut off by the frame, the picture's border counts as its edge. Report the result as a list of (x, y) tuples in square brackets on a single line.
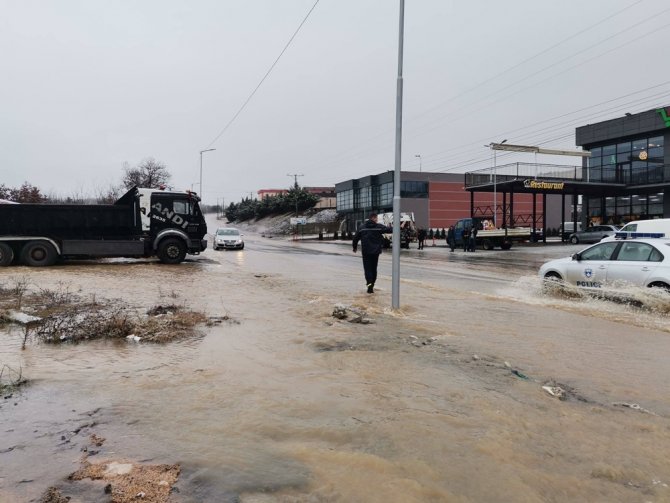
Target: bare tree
[(149, 173), (107, 195)]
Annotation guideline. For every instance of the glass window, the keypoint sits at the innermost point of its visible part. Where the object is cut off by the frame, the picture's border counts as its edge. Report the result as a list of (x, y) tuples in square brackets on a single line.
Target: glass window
[(386, 194), (655, 210), (623, 157), (595, 161), (638, 252), (345, 200), (414, 189), (656, 256), (596, 152), (623, 147), (602, 251), (609, 150), (364, 199), (640, 145), (656, 141), (182, 207), (655, 153), (608, 173)]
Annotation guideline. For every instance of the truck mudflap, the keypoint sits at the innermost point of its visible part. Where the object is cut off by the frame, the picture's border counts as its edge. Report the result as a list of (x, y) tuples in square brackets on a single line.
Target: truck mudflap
[(195, 246)]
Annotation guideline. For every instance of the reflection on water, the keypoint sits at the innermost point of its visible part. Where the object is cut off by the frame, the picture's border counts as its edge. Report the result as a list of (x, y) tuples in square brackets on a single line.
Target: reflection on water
[(421, 405)]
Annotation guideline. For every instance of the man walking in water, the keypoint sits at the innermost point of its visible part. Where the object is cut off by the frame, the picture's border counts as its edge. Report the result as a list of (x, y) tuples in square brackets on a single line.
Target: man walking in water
[(370, 236)]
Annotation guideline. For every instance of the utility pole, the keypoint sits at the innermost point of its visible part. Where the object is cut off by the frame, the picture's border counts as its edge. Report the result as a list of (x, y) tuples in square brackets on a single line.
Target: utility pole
[(295, 178), (295, 186)]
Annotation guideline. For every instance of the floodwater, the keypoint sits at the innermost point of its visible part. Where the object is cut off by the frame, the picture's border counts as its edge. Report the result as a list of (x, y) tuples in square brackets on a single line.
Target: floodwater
[(439, 401)]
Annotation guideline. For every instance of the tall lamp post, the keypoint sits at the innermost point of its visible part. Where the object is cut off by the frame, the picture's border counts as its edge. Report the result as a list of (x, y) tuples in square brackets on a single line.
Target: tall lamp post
[(495, 192), (395, 259), (420, 163), (202, 152)]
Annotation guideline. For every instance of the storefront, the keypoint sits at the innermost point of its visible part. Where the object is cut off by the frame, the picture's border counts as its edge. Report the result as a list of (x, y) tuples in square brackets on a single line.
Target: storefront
[(625, 178), (629, 152)]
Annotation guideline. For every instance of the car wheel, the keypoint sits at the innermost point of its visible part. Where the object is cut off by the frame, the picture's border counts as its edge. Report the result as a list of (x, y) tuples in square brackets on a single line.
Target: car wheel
[(38, 254), (242, 247), (660, 284), (574, 240), (551, 280)]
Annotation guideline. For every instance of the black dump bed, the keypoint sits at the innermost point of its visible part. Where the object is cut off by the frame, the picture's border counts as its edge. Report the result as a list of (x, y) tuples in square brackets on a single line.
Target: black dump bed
[(71, 221)]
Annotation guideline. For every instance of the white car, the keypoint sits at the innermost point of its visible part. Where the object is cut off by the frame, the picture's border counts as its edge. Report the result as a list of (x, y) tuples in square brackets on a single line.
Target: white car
[(641, 262), (228, 238)]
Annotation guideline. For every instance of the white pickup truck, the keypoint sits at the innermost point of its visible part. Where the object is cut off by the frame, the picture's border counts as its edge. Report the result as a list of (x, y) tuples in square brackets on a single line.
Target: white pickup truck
[(489, 238)]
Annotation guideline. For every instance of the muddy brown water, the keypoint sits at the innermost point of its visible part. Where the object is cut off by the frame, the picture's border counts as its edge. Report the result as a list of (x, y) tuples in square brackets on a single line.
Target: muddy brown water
[(441, 401)]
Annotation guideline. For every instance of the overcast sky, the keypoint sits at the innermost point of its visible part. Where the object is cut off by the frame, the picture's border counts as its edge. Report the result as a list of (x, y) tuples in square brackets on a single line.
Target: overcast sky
[(88, 85)]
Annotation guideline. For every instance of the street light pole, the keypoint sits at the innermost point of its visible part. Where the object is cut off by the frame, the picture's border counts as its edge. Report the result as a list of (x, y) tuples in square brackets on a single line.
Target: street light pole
[(495, 184), (420, 163), (202, 152), (395, 269)]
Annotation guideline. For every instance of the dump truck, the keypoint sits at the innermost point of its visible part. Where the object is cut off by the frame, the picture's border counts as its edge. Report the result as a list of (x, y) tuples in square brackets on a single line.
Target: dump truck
[(141, 223), (488, 237)]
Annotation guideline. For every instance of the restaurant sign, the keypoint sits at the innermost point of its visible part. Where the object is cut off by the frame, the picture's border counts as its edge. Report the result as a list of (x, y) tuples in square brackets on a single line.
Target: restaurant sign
[(539, 185)]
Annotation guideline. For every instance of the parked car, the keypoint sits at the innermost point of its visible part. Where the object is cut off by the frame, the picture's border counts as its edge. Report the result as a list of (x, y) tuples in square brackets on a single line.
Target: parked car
[(593, 234), (642, 262), (566, 229), (228, 238)]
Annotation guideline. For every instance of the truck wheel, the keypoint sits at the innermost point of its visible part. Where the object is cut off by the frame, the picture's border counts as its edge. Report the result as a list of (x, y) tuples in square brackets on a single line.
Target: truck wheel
[(6, 255), (487, 244), (38, 254), (505, 245), (171, 251)]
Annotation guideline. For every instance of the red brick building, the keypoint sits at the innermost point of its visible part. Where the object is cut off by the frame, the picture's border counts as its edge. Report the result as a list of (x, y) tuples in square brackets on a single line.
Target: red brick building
[(437, 200)]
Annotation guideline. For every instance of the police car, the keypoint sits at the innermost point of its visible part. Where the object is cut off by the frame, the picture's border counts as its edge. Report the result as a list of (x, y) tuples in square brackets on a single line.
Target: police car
[(641, 262)]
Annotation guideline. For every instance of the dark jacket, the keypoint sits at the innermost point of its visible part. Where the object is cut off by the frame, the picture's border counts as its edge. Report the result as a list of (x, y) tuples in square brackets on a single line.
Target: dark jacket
[(370, 236)]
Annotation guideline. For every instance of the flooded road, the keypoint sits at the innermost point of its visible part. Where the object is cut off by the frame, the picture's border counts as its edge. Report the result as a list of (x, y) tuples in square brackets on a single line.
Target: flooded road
[(440, 401)]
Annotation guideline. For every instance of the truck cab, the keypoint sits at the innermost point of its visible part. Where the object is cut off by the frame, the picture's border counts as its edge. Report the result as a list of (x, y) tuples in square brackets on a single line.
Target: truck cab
[(175, 218)]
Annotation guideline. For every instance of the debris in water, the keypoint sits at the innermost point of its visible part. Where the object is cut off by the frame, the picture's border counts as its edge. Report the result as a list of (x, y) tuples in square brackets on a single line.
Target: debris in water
[(555, 391), (634, 406), (519, 374), (351, 314), (20, 317)]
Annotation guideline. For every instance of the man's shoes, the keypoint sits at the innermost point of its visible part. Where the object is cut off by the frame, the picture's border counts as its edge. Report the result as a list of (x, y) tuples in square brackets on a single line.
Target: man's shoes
[(371, 287)]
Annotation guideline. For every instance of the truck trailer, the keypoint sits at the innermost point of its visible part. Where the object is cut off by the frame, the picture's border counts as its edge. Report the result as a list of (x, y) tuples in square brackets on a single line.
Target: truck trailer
[(141, 223), (490, 238)]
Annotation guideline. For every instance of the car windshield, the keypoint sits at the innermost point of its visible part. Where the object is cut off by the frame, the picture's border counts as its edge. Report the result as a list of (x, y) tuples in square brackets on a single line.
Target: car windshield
[(227, 232)]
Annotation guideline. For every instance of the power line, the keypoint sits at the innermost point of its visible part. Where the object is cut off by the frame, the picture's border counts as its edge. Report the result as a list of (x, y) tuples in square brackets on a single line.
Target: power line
[(529, 136), (651, 98), (381, 136), (230, 122)]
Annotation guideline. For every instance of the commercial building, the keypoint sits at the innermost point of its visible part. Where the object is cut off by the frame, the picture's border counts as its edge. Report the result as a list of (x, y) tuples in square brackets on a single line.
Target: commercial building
[(437, 200), (624, 176), (629, 167)]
